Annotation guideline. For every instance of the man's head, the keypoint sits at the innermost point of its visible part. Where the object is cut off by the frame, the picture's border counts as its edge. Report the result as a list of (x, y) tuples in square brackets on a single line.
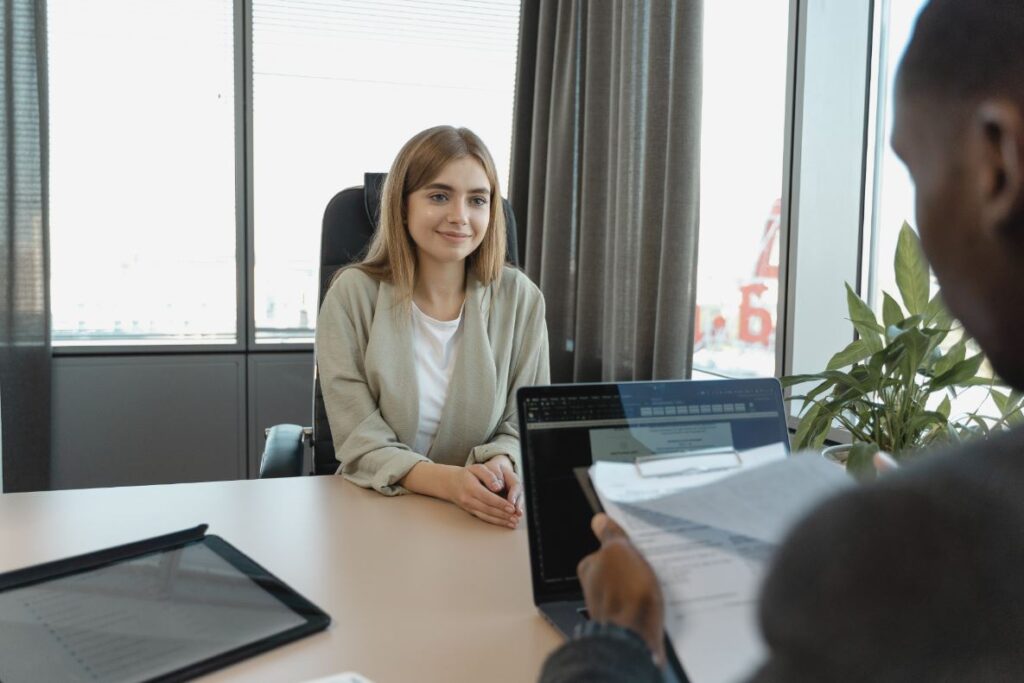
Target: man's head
[(959, 127)]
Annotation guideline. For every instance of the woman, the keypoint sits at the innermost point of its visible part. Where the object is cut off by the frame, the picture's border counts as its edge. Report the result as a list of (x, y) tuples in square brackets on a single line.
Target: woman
[(420, 347)]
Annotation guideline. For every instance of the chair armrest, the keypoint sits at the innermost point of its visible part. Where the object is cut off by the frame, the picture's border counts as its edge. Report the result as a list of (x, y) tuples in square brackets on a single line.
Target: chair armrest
[(283, 453)]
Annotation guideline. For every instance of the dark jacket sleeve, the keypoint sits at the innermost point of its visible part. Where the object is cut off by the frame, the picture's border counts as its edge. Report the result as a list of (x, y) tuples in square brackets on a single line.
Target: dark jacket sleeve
[(601, 659)]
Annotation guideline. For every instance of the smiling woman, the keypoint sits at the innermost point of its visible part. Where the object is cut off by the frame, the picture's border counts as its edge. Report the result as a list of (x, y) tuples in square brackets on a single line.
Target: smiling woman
[(420, 347)]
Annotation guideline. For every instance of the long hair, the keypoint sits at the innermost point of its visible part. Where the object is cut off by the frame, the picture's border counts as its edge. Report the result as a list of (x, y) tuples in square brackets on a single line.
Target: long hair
[(391, 256)]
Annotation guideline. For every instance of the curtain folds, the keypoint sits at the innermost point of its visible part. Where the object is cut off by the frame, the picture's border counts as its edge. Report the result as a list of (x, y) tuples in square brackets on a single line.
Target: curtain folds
[(24, 268), (606, 179)]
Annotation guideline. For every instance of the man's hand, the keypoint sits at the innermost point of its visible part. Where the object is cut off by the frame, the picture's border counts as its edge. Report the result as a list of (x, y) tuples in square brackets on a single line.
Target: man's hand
[(472, 489), (505, 481), (884, 463), (621, 588)]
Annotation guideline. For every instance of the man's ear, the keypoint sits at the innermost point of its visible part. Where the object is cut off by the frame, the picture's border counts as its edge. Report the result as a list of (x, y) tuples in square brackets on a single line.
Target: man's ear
[(1000, 124)]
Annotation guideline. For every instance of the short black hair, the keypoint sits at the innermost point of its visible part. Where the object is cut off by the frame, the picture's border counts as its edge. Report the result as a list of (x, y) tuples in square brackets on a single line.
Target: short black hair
[(966, 49)]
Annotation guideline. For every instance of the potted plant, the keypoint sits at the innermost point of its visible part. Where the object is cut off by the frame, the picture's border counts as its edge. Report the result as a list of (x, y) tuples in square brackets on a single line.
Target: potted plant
[(891, 388)]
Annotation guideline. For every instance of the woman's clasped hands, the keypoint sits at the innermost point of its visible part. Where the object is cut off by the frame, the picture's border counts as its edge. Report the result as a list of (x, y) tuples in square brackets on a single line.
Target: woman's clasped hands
[(490, 491)]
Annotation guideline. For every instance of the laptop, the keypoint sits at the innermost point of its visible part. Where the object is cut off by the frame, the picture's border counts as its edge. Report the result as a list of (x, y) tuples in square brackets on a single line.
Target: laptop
[(563, 427)]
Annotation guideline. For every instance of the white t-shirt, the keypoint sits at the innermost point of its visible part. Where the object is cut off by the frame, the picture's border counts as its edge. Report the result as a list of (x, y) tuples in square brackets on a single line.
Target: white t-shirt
[(435, 346)]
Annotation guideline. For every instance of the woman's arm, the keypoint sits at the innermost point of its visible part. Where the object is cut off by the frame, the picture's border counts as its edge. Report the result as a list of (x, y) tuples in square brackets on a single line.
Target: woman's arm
[(370, 453), (473, 488), (530, 367)]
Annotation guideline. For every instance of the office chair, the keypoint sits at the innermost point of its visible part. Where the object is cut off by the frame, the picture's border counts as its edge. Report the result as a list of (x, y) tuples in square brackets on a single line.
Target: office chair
[(350, 220)]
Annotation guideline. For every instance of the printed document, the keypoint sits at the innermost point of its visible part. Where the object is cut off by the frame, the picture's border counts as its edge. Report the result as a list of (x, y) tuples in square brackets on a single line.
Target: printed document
[(709, 537)]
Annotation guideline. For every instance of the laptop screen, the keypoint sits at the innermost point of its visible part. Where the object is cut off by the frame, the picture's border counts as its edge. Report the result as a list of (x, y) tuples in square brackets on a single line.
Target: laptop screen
[(563, 427)]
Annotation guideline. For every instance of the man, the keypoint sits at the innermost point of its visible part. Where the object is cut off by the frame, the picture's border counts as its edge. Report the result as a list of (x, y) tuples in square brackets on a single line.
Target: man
[(920, 576)]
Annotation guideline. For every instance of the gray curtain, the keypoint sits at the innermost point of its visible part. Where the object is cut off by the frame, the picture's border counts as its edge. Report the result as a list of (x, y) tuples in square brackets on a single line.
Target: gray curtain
[(606, 180), (24, 270)]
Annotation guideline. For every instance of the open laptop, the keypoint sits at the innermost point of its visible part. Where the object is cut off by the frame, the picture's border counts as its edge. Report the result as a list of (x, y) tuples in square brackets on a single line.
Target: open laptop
[(567, 426)]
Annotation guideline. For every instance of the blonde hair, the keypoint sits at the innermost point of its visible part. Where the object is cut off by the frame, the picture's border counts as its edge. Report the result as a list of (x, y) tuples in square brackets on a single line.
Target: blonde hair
[(391, 256)]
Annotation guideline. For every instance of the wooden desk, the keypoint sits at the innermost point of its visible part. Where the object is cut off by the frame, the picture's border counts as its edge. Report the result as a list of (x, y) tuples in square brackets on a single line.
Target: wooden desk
[(418, 590)]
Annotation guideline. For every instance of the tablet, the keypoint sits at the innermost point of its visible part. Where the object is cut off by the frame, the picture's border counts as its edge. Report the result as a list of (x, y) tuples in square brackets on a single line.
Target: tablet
[(164, 609)]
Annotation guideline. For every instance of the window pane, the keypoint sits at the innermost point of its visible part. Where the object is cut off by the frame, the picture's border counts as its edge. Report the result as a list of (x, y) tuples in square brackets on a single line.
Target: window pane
[(893, 187), (337, 88), (142, 177), (742, 138)]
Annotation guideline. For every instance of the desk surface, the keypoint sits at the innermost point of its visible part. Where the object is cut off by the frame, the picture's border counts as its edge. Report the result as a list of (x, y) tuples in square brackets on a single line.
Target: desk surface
[(417, 589)]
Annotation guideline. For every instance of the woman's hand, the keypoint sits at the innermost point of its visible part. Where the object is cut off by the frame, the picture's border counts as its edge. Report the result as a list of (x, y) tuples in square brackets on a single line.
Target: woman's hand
[(505, 481), (468, 488)]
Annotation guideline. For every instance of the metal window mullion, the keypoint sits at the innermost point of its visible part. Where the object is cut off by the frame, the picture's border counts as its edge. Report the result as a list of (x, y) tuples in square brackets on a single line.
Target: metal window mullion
[(827, 202), (874, 162), (790, 185), (243, 172)]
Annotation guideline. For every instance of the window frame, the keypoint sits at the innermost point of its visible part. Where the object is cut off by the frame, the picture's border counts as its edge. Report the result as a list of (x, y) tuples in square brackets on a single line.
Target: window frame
[(241, 11)]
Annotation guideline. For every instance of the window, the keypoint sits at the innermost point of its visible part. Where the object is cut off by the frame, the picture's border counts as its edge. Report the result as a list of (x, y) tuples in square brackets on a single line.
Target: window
[(142, 178), (892, 198), (742, 138), (337, 89)]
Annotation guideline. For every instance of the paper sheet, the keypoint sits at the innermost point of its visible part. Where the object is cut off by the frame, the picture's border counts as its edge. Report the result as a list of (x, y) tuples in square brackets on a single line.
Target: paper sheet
[(622, 482), (709, 538)]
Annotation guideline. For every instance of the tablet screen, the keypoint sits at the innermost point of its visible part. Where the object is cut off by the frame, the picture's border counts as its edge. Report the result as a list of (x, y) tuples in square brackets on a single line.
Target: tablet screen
[(137, 619)]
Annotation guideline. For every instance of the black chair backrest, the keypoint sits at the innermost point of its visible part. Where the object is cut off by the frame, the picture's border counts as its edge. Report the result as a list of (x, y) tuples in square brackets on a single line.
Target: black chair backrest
[(349, 223)]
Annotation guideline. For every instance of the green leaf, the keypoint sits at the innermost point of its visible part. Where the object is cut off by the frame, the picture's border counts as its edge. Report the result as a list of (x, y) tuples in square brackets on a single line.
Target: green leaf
[(810, 397), (860, 463), (926, 418), (937, 313), (849, 380), (960, 374), (957, 352), (937, 335), (1013, 403), (793, 380), (982, 382), (864, 321), (981, 427), (819, 390), (856, 351), (916, 344), (944, 408), (874, 367), (1002, 402), (804, 434), (911, 271), (892, 314)]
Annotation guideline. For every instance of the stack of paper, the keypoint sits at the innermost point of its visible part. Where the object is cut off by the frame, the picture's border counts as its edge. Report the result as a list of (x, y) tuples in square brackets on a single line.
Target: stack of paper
[(709, 537)]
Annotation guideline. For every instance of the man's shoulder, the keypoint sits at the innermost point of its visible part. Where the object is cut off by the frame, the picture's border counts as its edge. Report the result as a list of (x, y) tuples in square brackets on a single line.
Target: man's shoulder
[(929, 554), (1002, 453)]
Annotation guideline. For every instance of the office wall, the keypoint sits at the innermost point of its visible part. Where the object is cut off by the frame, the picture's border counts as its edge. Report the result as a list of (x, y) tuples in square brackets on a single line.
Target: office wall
[(132, 420), (280, 392)]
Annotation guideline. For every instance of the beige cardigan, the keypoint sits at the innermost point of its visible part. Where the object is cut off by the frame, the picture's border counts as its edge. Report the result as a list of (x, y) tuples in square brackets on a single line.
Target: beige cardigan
[(368, 376)]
